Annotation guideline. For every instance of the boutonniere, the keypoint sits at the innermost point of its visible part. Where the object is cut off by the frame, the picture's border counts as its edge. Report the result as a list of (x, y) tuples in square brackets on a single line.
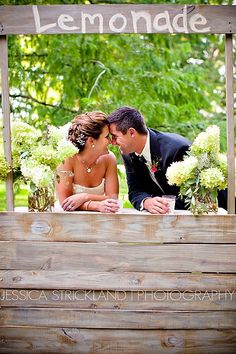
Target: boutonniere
[(156, 164)]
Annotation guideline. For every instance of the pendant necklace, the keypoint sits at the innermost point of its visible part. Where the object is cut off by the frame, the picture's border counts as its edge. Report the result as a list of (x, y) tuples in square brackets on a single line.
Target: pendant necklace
[(88, 169)]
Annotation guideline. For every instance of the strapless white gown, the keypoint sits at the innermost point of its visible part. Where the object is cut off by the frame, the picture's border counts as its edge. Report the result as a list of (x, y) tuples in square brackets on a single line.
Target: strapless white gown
[(77, 188), (98, 190)]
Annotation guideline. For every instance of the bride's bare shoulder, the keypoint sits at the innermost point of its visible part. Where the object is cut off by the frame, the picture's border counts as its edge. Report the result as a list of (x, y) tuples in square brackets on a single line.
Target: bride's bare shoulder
[(109, 158), (69, 162)]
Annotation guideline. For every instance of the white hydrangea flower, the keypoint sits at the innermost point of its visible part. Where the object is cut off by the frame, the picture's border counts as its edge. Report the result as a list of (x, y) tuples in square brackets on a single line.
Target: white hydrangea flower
[(24, 134), (40, 175), (179, 172), (36, 156), (65, 149), (208, 141), (212, 178), (46, 155), (24, 137), (58, 133), (223, 164)]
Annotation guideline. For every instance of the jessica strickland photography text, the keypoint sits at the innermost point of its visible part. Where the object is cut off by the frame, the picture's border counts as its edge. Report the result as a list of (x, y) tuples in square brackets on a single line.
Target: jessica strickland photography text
[(20, 295)]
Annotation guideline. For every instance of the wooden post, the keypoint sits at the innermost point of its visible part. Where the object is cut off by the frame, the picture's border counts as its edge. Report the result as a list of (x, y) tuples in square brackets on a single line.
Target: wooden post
[(6, 118), (230, 121)]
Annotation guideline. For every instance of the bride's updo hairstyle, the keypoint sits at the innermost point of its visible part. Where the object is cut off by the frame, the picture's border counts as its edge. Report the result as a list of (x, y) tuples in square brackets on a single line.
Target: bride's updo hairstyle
[(86, 125)]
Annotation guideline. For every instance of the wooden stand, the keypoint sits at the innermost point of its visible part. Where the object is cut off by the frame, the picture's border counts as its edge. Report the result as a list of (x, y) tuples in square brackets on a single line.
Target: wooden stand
[(121, 283)]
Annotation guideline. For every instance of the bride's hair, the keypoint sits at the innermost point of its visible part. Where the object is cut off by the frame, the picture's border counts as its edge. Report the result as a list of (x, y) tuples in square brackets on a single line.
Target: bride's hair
[(86, 125)]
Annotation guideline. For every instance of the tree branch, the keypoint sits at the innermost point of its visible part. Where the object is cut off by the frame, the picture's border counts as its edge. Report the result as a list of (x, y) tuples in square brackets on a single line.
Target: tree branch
[(43, 103)]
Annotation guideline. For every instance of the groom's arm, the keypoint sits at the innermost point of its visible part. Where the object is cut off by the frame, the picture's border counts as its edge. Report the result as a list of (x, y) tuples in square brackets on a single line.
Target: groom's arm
[(136, 188)]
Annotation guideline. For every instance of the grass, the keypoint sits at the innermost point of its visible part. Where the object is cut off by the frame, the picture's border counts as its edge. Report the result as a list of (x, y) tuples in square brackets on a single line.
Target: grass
[(21, 196)]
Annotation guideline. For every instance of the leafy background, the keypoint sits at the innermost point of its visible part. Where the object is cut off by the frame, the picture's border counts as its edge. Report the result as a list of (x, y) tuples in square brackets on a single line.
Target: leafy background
[(176, 81)]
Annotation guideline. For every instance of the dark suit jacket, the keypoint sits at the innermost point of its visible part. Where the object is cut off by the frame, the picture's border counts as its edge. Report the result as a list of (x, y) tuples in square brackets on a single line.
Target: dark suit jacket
[(165, 148)]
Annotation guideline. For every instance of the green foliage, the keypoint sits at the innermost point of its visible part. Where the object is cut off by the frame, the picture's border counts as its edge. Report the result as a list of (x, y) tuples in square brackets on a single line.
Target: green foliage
[(173, 79)]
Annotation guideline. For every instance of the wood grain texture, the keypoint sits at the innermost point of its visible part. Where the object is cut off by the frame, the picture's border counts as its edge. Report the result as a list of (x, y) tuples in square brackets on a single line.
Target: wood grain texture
[(34, 255), (120, 319), (79, 340), (120, 300), (6, 119), (229, 67), (97, 227), (47, 279), (97, 283), (117, 19)]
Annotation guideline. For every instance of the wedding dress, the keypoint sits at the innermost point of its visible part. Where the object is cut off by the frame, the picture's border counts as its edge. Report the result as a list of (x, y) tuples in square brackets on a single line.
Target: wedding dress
[(99, 190)]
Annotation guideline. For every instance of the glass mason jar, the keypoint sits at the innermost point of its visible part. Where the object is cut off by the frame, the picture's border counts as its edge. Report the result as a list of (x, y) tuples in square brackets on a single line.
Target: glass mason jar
[(207, 204), (41, 199)]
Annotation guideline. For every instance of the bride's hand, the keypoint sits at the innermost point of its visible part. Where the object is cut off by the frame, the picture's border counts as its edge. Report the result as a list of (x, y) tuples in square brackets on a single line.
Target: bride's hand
[(74, 201), (109, 206)]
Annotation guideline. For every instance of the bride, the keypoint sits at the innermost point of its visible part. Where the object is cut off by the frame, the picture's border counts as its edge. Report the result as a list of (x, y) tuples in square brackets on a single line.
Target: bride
[(89, 180)]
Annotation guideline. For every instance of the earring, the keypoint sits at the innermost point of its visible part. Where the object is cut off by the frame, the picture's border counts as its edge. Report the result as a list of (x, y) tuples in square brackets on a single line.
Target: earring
[(93, 146)]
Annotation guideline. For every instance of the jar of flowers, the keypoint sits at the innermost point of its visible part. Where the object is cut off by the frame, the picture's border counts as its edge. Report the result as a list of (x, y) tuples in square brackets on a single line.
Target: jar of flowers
[(202, 172), (36, 156)]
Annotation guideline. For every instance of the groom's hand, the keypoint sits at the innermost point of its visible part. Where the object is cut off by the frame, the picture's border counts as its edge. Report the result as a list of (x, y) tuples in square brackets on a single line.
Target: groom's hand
[(156, 205)]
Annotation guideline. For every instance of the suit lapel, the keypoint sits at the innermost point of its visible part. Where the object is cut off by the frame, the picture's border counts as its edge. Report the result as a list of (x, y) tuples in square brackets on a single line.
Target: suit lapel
[(154, 146), (156, 157)]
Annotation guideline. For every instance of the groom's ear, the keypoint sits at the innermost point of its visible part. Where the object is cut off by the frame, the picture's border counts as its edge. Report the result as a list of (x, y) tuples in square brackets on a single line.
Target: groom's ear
[(132, 132)]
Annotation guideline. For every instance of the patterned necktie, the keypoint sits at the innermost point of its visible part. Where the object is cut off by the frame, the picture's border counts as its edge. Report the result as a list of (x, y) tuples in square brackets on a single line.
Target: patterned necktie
[(142, 158)]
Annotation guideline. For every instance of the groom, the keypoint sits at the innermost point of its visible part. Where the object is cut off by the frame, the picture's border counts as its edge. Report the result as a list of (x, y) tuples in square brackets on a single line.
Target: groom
[(147, 154)]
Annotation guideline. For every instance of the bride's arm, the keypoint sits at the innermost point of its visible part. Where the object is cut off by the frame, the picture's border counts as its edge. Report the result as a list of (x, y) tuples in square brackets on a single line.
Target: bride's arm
[(111, 176), (64, 180)]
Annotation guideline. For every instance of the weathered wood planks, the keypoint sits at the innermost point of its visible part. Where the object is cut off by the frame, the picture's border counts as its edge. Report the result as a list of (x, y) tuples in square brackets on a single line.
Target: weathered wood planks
[(79, 340), (126, 319), (95, 227), (34, 255), (93, 283), (130, 281)]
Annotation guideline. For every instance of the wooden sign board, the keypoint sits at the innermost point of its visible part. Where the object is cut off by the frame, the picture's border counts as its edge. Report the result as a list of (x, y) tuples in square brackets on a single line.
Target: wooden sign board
[(117, 19)]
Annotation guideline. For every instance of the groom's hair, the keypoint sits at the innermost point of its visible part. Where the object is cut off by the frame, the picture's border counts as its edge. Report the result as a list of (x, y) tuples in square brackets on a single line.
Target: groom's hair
[(128, 117)]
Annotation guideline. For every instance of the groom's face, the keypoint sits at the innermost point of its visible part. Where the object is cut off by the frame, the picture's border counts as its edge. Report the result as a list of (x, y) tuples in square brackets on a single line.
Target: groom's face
[(124, 141)]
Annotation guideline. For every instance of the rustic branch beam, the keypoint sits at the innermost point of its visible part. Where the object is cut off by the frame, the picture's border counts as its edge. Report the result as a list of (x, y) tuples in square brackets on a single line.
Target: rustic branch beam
[(230, 121), (6, 119)]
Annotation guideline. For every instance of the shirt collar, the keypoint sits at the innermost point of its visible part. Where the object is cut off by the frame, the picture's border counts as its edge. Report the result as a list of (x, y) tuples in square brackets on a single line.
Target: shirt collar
[(146, 153)]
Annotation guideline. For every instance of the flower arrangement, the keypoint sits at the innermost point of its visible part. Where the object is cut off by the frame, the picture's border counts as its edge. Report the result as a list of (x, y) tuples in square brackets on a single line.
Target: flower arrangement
[(202, 172), (36, 155)]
